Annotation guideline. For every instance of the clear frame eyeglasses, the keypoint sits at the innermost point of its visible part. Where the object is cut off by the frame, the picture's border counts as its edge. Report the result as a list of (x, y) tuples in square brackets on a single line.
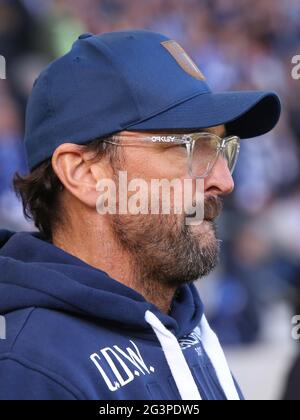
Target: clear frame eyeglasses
[(201, 150)]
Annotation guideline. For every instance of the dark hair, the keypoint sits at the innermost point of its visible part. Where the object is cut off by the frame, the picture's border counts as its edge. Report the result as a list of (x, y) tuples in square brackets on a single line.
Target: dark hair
[(40, 191)]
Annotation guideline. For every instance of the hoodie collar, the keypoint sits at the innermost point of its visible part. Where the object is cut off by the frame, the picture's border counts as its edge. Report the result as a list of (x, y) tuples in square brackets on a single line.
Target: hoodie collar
[(36, 273)]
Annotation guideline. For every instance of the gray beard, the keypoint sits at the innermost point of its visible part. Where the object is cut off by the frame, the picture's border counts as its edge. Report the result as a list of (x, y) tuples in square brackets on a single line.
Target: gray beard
[(165, 251)]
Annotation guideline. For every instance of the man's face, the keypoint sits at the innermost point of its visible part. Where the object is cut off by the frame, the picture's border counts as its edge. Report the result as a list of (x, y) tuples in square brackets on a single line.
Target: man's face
[(165, 248)]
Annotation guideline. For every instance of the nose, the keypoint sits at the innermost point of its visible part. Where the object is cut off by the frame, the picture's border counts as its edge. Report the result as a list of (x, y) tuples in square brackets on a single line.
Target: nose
[(219, 181)]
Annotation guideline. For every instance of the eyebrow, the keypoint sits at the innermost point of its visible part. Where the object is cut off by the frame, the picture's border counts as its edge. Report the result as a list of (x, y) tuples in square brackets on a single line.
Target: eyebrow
[(207, 130)]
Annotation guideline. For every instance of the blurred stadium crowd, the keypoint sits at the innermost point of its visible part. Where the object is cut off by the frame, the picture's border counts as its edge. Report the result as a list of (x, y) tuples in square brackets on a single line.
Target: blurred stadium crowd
[(245, 44)]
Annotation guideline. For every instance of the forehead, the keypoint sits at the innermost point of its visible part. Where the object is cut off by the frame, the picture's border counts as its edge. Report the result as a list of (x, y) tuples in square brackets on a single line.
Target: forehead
[(219, 130)]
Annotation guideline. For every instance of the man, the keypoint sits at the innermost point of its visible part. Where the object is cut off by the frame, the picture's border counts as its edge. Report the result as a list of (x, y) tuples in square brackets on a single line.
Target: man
[(102, 305)]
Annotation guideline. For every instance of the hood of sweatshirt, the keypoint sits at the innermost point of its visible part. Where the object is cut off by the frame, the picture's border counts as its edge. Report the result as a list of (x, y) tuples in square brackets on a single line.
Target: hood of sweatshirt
[(66, 321), (36, 273)]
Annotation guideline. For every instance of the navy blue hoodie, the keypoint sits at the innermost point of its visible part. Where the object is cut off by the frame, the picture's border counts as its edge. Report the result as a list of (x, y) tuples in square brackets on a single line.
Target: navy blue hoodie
[(73, 333)]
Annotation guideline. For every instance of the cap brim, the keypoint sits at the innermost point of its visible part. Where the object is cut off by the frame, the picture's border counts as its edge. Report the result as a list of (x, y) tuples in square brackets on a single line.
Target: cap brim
[(245, 114)]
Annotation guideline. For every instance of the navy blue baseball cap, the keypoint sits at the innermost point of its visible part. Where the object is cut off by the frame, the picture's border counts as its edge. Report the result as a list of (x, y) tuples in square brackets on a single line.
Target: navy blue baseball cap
[(133, 80)]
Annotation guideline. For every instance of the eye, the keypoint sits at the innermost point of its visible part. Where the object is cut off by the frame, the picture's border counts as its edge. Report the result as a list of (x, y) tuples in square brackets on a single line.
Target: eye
[(180, 149), (171, 145)]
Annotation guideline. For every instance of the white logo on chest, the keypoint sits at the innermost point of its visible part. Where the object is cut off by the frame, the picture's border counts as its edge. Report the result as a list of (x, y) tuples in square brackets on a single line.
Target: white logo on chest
[(120, 367), (191, 340)]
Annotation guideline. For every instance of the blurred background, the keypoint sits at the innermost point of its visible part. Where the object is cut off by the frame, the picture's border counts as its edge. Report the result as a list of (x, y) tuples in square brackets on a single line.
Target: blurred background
[(245, 44)]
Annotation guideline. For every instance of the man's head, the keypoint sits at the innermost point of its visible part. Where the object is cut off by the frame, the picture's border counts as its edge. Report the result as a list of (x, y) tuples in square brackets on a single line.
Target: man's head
[(163, 247), (124, 88)]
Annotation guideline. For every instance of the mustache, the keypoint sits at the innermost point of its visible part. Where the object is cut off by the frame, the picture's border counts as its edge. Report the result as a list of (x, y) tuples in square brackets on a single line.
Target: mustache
[(213, 207)]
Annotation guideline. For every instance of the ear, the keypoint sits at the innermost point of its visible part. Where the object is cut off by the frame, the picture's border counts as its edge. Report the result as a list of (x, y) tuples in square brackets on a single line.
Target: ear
[(78, 172)]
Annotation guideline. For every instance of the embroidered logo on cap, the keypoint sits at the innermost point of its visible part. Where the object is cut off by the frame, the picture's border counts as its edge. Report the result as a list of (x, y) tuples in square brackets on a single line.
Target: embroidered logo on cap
[(183, 59)]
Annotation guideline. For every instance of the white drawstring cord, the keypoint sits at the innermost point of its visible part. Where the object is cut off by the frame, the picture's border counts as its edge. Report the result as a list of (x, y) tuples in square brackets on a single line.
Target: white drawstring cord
[(180, 370), (217, 357)]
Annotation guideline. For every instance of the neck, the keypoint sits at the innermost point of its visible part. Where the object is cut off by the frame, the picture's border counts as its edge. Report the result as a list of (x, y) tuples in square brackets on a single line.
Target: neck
[(102, 252)]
